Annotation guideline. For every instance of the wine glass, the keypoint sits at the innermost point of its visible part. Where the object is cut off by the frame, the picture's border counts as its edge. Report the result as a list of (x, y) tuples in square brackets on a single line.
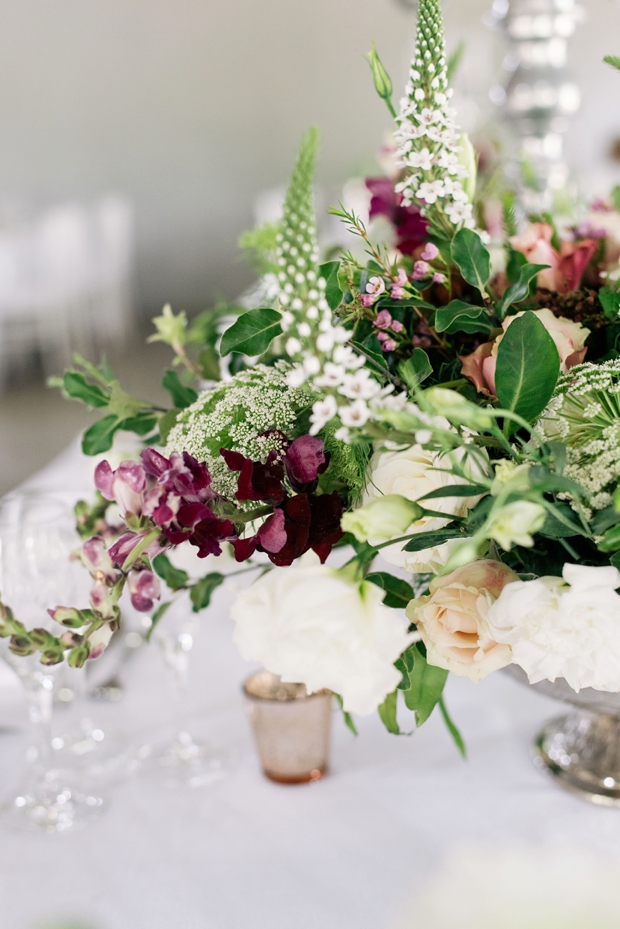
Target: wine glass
[(37, 537), (184, 761)]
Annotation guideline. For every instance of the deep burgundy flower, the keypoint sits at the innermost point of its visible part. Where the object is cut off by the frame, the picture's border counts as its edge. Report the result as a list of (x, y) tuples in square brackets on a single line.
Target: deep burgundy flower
[(181, 474), (410, 226), (304, 461), (209, 533), (257, 481), (325, 531)]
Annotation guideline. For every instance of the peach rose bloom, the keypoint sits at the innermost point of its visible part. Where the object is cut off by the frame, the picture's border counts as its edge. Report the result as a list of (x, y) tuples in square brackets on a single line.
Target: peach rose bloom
[(569, 338), (566, 266), (452, 619)]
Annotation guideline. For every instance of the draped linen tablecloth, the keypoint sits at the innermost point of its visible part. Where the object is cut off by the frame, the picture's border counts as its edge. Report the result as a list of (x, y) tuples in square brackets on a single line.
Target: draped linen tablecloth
[(343, 853)]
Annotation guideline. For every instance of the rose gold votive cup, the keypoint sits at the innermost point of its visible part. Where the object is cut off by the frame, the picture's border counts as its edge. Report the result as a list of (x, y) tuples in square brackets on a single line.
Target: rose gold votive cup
[(291, 728)]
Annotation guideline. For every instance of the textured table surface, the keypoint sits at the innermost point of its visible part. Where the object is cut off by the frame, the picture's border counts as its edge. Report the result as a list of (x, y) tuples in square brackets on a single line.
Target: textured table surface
[(344, 853)]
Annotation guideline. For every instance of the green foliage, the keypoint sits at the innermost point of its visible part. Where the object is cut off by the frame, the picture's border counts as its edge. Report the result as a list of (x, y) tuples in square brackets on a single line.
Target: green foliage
[(458, 316), (175, 578), (615, 198), (261, 243), (454, 732), (201, 592), (181, 395), (387, 712), (454, 61), (333, 294), (612, 60), (99, 437), (528, 366), (472, 258), (424, 540), (159, 613), (348, 719), (77, 387), (610, 301), (520, 289), (252, 333), (398, 592), (415, 369), (426, 684), (170, 329)]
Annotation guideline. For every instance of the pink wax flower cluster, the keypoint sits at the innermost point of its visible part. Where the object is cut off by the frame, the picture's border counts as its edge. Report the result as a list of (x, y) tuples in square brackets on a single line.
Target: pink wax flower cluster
[(384, 322), (423, 267)]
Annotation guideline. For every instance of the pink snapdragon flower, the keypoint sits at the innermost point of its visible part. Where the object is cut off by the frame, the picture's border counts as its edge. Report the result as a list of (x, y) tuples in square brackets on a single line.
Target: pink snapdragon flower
[(96, 559), (126, 485), (144, 588)]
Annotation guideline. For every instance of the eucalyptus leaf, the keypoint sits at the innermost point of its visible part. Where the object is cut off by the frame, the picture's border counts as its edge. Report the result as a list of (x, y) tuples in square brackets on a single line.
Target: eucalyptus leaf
[(472, 258), (252, 333), (528, 365)]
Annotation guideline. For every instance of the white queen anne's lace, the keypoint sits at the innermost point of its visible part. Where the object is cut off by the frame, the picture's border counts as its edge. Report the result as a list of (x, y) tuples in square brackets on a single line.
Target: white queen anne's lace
[(426, 135)]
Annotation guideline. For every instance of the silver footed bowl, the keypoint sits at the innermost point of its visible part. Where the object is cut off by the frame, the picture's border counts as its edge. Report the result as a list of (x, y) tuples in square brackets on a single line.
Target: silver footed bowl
[(580, 749)]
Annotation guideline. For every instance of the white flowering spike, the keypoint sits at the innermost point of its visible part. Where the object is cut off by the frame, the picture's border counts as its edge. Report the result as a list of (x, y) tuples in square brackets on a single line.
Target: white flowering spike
[(426, 134)]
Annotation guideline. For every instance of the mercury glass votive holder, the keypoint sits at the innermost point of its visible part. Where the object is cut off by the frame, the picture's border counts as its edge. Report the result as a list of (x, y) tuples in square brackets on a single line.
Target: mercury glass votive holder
[(291, 728)]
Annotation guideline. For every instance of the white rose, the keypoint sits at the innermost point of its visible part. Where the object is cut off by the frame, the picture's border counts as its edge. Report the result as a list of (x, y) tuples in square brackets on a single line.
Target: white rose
[(412, 473), (311, 625), (566, 628)]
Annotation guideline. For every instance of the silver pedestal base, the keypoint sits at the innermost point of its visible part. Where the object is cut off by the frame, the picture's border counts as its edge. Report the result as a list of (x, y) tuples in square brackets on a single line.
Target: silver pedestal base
[(581, 751)]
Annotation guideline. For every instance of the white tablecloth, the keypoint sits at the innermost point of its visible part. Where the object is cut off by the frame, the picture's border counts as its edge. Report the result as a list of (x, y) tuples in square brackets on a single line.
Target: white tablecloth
[(344, 853)]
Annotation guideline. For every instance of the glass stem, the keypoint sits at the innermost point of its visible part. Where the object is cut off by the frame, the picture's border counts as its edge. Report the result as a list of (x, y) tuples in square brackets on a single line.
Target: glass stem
[(40, 690)]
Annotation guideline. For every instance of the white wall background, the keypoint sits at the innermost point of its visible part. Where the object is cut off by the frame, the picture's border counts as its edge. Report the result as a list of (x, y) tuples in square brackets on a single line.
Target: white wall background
[(191, 107)]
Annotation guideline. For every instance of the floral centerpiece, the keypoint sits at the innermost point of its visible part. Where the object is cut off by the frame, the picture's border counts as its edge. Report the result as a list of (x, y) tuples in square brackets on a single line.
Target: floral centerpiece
[(447, 407)]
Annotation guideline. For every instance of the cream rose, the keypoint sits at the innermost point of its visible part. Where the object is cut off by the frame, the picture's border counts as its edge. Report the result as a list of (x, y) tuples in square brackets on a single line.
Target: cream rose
[(412, 473), (312, 625), (453, 619)]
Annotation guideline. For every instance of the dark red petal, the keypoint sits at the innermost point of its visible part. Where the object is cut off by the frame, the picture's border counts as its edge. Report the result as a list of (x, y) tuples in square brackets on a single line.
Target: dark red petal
[(245, 489), (233, 459), (244, 548), (304, 458), (272, 534), (191, 513)]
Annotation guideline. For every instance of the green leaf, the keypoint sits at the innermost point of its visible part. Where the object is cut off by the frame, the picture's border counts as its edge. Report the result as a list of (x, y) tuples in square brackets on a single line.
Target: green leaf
[(612, 60), (528, 366), (333, 293), (200, 593), (615, 560), (100, 436), (426, 687), (167, 421), (610, 541), (458, 316), (348, 719), (155, 618), (555, 528), (615, 198), (472, 258), (454, 732), (521, 288), (252, 333), (387, 712), (398, 592), (456, 490), (415, 369), (604, 519), (174, 577), (209, 362), (429, 539), (515, 262), (610, 301), (371, 348), (181, 396), (122, 404), (77, 387), (141, 424)]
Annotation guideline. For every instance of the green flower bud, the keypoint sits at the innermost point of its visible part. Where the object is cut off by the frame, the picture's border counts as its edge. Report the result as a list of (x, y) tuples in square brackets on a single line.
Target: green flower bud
[(77, 656), (463, 553), (386, 518), (42, 638), (515, 523), (456, 409), (507, 473), (52, 656), (383, 83), (67, 616), (21, 645), (617, 499), (171, 329)]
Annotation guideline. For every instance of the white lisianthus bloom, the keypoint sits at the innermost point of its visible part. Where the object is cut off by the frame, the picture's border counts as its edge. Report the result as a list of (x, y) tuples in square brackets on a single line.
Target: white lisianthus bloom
[(566, 627), (312, 625), (515, 523), (412, 473)]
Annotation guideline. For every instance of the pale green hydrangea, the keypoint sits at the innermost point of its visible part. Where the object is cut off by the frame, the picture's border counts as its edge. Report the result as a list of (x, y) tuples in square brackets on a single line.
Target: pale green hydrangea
[(584, 414)]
